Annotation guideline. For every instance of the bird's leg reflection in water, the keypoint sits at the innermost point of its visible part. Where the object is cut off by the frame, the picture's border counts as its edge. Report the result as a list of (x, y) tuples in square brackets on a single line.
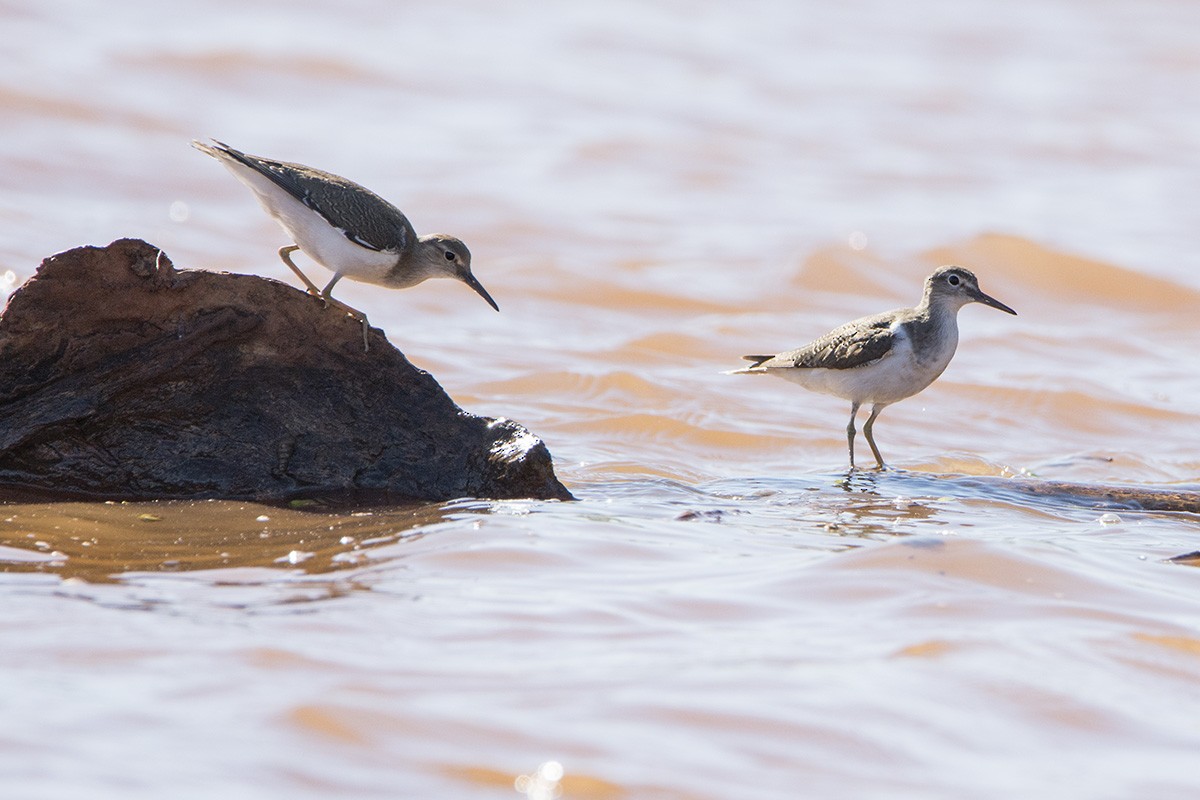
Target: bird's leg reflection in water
[(859, 481), (873, 506)]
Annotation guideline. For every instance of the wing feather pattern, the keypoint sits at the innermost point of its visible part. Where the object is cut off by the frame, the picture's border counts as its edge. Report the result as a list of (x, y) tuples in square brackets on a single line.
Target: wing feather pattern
[(854, 344), (363, 216)]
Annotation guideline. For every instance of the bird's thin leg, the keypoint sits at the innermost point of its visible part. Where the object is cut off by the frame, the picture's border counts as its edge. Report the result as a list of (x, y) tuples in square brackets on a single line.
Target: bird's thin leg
[(850, 433), (329, 300), (875, 409), (327, 292), (286, 254)]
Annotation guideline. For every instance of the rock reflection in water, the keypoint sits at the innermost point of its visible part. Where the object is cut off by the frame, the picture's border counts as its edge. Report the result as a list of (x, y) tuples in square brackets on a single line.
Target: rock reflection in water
[(98, 542)]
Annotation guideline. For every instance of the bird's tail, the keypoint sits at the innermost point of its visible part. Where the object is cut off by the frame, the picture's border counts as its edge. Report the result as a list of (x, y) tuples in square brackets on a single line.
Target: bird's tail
[(220, 151), (750, 369)]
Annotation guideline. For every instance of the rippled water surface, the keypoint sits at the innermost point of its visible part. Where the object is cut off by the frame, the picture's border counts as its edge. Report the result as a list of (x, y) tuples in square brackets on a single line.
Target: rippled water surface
[(649, 190)]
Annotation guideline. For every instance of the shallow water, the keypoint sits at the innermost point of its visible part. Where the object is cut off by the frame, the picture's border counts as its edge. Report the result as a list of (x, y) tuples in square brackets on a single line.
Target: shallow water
[(649, 191)]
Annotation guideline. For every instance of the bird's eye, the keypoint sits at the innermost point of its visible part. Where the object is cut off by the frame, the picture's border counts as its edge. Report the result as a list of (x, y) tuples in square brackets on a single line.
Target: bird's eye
[(953, 280), (450, 256)]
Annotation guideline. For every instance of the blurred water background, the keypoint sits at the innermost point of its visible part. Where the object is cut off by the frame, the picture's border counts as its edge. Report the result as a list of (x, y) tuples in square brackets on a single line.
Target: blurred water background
[(649, 190)]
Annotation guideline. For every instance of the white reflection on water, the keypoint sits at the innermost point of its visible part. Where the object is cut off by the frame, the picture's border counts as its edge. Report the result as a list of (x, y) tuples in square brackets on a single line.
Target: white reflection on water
[(543, 783)]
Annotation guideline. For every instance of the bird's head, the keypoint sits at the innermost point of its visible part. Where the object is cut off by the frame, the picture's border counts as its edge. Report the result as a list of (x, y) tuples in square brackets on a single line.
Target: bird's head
[(444, 256), (955, 287)]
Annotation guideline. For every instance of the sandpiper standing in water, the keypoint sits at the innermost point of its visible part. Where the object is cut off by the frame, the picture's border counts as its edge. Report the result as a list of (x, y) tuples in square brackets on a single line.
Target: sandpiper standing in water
[(351, 231), (885, 358)]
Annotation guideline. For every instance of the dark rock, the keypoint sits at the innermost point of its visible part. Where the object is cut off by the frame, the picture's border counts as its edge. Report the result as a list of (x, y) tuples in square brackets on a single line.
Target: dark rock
[(122, 377), (1092, 495)]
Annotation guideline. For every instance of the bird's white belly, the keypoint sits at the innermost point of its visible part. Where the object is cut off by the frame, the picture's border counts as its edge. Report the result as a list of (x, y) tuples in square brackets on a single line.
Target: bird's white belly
[(889, 379), (319, 240)]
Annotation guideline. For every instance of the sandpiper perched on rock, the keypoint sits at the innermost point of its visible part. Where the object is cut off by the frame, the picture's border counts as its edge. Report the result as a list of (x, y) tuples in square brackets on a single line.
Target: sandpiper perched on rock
[(351, 231), (884, 358)]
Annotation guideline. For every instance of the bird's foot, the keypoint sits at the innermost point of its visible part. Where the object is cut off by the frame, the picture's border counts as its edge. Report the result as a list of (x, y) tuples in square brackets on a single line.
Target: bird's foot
[(360, 318), (353, 313)]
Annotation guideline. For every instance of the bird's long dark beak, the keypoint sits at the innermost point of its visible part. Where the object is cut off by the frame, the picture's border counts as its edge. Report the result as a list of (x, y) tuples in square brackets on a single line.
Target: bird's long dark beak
[(473, 282), (988, 300)]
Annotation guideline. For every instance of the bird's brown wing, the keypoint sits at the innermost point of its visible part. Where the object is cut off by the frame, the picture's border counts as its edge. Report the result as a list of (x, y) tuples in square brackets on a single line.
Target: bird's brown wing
[(852, 345)]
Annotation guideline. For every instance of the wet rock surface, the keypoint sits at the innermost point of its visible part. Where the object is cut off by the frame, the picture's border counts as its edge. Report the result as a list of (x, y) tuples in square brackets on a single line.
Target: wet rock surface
[(122, 377)]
